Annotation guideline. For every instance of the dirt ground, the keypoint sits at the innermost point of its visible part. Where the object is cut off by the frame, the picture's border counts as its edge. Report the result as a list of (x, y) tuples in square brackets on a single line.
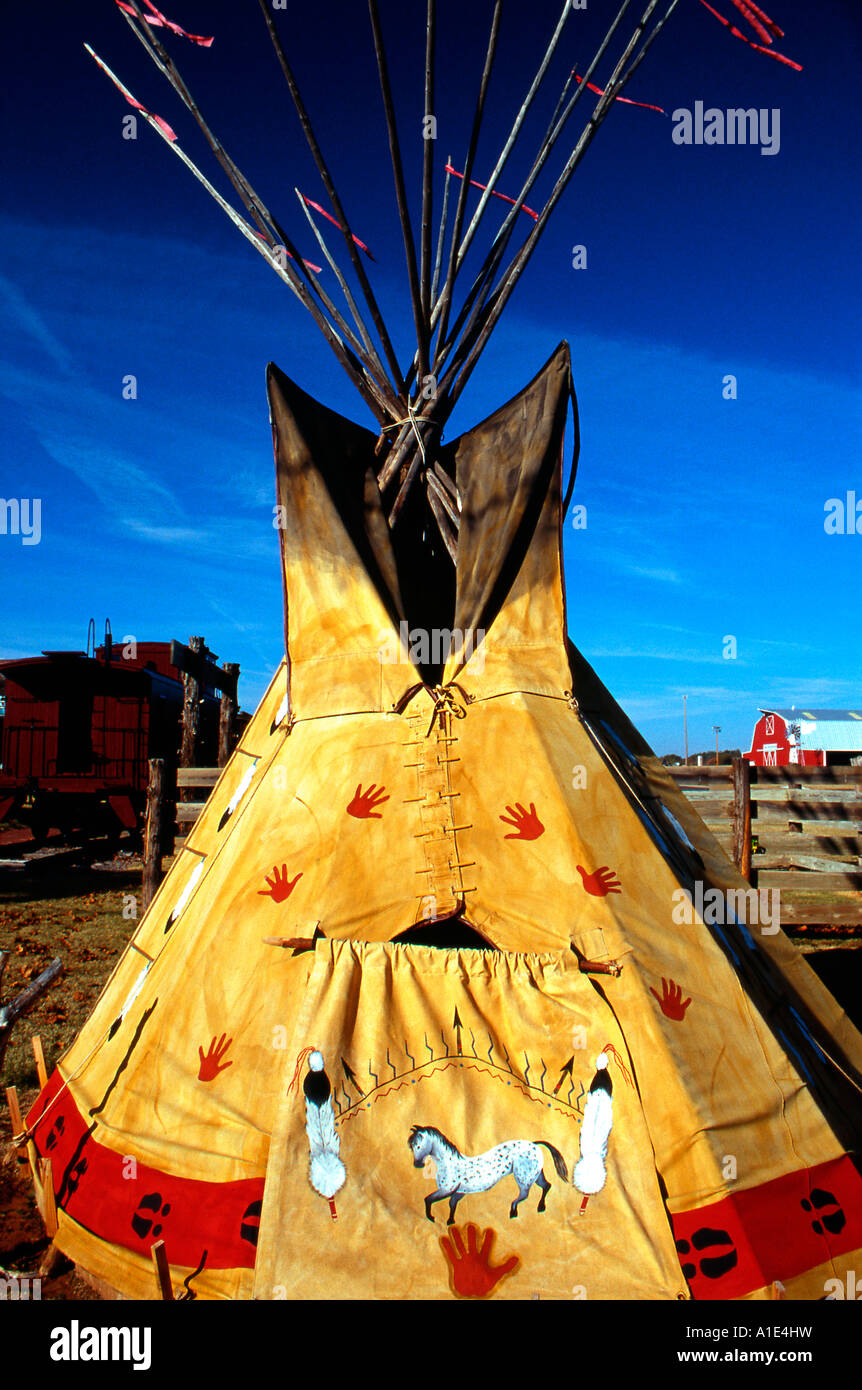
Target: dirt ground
[(23, 1243), (85, 913)]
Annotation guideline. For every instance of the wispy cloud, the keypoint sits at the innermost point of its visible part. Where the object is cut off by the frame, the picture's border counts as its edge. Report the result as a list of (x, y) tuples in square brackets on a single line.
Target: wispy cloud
[(28, 318)]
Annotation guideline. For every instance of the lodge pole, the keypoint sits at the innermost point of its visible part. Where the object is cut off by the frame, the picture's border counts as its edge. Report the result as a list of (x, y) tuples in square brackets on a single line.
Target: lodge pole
[(328, 184), (422, 329)]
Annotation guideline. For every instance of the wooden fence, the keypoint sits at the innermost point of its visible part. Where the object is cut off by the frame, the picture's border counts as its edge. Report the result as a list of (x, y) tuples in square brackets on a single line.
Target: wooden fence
[(805, 834), (170, 816), (798, 829)]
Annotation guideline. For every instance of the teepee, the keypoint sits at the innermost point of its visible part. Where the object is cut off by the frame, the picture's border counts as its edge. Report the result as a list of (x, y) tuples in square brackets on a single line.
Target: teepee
[(430, 1003)]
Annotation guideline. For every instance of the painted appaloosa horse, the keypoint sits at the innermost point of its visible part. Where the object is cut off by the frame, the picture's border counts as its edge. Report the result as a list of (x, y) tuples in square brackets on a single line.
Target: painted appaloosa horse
[(458, 1174)]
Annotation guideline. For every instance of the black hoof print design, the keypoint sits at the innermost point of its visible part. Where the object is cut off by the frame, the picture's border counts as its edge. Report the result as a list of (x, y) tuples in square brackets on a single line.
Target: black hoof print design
[(56, 1132), (834, 1220), (711, 1266), (249, 1226), (73, 1181), (147, 1225)]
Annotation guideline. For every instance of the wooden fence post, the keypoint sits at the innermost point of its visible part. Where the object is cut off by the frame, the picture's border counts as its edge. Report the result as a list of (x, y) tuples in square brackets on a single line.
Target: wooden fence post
[(742, 817), (192, 707), (227, 715), (153, 837)]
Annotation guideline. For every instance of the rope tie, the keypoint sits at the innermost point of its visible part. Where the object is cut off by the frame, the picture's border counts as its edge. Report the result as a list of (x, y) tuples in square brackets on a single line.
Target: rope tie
[(444, 699), (411, 418), (446, 702)]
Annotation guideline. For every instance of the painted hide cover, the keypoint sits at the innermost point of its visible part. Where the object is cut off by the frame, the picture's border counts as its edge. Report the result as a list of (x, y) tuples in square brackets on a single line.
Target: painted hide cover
[(445, 830)]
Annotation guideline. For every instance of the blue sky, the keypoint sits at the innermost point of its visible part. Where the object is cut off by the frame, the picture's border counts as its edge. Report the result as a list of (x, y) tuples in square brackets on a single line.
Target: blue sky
[(704, 515)]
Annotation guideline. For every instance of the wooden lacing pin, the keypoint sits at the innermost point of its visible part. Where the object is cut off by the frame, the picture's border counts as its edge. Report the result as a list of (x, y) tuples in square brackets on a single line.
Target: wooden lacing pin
[(297, 943), (162, 1271), (598, 967), (48, 1204), (14, 1114)]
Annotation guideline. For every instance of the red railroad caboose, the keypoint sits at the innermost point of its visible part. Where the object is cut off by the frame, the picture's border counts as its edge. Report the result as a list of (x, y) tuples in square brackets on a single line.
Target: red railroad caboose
[(79, 731)]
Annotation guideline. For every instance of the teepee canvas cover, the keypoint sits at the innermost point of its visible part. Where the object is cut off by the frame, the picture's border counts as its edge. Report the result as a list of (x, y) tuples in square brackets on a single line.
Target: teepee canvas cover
[(267, 1111)]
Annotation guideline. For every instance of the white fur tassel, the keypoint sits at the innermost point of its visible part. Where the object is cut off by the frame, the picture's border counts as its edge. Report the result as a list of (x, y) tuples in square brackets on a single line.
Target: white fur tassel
[(589, 1175), (326, 1169)]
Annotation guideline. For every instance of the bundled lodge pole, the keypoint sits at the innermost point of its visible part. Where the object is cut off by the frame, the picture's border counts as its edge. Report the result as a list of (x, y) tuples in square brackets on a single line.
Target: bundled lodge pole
[(412, 408)]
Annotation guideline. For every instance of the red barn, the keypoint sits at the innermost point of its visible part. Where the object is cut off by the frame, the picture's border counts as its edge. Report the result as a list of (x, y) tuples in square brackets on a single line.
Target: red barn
[(803, 737)]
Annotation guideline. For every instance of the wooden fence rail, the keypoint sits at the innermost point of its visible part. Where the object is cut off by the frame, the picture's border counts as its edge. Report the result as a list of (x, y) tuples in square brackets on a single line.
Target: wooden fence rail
[(797, 829), (801, 826)]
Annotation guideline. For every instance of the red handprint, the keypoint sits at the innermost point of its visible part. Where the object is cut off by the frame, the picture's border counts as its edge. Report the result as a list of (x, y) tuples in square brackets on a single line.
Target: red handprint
[(212, 1064), (600, 883), (279, 888), (473, 1275), (363, 803), (671, 1000), (527, 824)]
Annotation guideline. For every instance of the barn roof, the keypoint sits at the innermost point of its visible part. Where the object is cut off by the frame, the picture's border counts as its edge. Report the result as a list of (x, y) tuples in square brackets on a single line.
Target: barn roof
[(819, 715), (832, 730)]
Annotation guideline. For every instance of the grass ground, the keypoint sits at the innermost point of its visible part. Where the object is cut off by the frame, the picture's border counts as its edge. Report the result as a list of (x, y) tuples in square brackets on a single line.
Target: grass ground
[(78, 915), (83, 915)]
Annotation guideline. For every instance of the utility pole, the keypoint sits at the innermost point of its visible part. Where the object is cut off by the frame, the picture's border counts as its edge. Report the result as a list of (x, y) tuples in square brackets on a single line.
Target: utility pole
[(716, 728)]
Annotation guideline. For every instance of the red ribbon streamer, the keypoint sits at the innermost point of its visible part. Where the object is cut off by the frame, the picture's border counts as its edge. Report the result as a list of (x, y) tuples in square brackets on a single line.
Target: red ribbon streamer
[(759, 29), (328, 215), (764, 18), (758, 47), (158, 21), (600, 91), (504, 196), (162, 124)]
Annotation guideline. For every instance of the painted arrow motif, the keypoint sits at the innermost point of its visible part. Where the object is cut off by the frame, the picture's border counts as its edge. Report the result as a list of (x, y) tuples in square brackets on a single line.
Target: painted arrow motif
[(352, 1079), (457, 1025), (567, 1071)]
